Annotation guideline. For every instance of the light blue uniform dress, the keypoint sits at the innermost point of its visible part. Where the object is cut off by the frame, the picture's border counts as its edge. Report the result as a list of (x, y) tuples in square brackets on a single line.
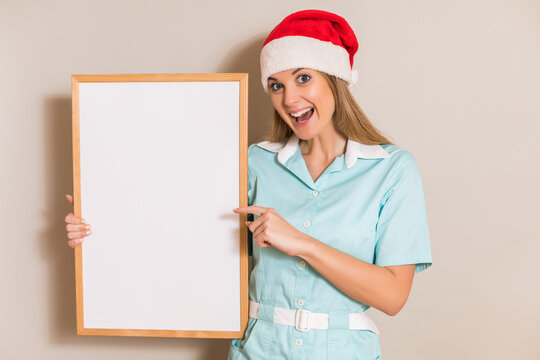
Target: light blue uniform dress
[(369, 203)]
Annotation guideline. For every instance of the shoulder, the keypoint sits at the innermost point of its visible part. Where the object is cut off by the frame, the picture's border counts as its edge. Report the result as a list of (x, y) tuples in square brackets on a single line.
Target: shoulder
[(263, 154), (403, 174), (402, 166), (265, 149), (399, 157), (269, 146)]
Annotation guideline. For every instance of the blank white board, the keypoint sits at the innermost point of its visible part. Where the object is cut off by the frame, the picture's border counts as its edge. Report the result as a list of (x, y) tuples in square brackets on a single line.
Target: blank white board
[(159, 168)]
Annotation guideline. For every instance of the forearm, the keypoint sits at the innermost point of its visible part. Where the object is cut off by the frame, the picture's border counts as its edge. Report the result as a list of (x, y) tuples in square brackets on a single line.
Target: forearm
[(367, 283)]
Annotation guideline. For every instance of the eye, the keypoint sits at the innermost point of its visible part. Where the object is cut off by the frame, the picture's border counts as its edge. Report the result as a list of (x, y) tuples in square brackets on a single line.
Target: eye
[(306, 78), (274, 88)]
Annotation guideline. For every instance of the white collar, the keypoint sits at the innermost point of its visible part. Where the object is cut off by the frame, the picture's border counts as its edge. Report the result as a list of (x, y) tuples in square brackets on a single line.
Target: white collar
[(354, 150)]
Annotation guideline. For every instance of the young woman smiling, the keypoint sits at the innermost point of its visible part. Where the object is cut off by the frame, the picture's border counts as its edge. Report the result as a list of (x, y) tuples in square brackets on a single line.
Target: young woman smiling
[(338, 212)]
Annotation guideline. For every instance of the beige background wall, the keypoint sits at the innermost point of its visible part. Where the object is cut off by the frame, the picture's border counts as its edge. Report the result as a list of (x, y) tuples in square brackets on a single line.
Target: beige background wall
[(454, 82)]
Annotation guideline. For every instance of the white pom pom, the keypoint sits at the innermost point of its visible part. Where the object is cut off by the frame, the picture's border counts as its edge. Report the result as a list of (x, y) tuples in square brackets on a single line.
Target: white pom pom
[(354, 76)]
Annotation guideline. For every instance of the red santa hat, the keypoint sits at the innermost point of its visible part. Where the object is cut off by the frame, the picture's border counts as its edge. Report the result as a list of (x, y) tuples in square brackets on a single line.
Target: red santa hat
[(313, 39)]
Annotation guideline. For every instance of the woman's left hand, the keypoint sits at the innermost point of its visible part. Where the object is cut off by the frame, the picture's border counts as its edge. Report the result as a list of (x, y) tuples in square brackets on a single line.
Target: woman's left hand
[(270, 228)]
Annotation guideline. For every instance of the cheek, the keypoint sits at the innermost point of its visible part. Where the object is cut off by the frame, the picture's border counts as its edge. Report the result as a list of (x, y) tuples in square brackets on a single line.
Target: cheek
[(274, 102), (284, 115), (330, 103), (322, 94), (276, 105), (327, 104)]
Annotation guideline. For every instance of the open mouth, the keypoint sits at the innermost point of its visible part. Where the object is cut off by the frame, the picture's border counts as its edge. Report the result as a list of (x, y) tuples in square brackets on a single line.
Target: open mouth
[(302, 116)]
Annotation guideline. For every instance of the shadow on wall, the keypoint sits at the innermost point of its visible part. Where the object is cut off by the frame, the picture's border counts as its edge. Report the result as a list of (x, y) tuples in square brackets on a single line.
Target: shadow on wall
[(245, 58), (59, 181)]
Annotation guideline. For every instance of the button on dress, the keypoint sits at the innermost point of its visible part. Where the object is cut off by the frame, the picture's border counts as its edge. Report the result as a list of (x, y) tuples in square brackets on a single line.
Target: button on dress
[(368, 203)]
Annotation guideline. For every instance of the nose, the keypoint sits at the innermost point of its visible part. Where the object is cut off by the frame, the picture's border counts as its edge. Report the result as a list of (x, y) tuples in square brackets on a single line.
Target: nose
[(291, 95)]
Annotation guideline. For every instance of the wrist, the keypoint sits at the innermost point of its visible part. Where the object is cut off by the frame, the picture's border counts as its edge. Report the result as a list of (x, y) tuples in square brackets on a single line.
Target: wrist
[(308, 247)]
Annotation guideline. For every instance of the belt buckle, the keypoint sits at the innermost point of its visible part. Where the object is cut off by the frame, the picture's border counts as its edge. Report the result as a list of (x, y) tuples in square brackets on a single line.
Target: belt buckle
[(301, 320)]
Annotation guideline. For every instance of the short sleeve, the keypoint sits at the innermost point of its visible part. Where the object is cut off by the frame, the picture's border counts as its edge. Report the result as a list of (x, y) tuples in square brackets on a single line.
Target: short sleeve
[(402, 235)]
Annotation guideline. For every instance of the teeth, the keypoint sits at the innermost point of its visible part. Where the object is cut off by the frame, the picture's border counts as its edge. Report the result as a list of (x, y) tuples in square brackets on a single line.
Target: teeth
[(300, 112)]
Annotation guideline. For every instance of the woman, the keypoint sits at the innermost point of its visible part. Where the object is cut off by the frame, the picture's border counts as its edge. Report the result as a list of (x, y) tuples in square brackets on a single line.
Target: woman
[(339, 213)]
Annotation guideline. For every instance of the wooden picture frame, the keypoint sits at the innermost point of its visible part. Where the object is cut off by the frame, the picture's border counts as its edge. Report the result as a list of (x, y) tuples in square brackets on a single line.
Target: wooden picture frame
[(159, 162)]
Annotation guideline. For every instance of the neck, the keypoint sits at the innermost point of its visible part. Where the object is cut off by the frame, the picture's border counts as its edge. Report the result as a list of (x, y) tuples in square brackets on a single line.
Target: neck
[(326, 146)]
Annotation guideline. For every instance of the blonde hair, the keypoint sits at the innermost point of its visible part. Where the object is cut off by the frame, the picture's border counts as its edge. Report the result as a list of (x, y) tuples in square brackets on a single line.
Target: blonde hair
[(348, 118)]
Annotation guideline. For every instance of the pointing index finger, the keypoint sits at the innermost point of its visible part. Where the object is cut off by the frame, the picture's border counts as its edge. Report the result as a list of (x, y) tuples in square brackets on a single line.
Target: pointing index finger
[(255, 210)]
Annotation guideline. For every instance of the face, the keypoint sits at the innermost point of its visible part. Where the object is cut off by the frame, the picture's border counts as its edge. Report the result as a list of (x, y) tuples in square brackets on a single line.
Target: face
[(304, 100)]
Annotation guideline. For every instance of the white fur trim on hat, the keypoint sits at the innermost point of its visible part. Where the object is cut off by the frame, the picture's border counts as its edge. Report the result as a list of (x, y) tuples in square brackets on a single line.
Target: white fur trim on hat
[(354, 78), (291, 52)]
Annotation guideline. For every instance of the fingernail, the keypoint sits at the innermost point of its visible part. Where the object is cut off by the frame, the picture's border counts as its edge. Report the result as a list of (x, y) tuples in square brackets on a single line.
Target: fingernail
[(83, 221), (87, 226), (89, 232)]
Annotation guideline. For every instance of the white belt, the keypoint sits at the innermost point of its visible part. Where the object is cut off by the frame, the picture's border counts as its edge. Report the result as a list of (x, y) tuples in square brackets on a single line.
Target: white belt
[(303, 320)]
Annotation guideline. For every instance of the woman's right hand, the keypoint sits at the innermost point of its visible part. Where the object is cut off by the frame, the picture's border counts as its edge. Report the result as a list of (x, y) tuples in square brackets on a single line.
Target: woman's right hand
[(77, 228)]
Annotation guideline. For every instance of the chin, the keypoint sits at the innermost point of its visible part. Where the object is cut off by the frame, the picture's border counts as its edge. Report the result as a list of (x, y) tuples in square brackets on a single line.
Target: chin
[(305, 135)]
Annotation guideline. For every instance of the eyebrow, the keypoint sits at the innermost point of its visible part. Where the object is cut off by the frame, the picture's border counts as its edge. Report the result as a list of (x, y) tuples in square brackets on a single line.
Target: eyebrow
[(294, 72)]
